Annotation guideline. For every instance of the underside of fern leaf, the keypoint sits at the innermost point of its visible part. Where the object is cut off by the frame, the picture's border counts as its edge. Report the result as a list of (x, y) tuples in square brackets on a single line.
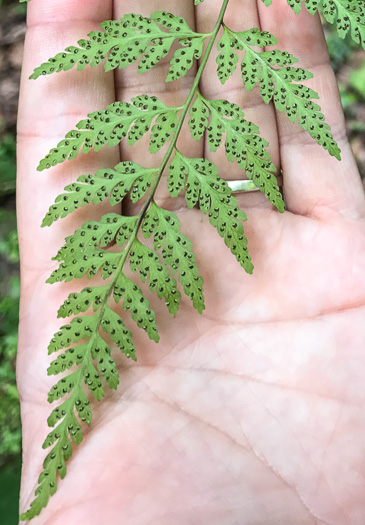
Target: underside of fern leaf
[(132, 38), (277, 79), (347, 15), (115, 244)]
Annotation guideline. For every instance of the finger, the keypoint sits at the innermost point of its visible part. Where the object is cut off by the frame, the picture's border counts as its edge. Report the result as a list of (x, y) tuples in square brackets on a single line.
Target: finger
[(130, 84), (239, 16), (315, 184), (49, 107)]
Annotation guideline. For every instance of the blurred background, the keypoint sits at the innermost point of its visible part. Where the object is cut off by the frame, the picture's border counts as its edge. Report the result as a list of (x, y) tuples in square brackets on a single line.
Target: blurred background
[(348, 61)]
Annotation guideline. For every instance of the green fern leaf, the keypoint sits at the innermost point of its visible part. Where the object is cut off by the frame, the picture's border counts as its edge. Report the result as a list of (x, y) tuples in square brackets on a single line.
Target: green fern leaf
[(95, 348), (277, 84), (91, 263), (79, 328), (155, 52), (66, 360), (98, 233), (54, 464), (114, 183), (176, 251), (198, 122), (148, 263), (229, 43), (122, 43), (59, 412), (296, 5), (213, 195), (243, 143), (171, 22), (64, 386), (105, 363), (114, 326), (161, 132), (92, 380), (183, 58), (138, 305), (192, 44), (348, 16), (110, 127), (227, 58), (82, 301), (82, 405), (81, 254)]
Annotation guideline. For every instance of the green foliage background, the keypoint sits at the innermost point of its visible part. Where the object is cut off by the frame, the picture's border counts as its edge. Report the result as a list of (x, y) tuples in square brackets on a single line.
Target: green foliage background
[(10, 432), (353, 97)]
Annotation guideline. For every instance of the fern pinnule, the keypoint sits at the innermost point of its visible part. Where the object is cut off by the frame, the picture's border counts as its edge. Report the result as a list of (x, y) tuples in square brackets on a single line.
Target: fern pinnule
[(109, 127), (132, 38)]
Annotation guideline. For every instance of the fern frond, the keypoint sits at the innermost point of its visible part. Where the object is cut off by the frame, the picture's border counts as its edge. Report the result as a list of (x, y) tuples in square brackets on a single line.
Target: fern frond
[(81, 349), (272, 71), (124, 42), (111, 126), (242, 143), (115, 183)]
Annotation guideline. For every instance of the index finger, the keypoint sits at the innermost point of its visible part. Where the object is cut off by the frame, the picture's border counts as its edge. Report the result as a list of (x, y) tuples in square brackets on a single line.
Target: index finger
[(49, 107)]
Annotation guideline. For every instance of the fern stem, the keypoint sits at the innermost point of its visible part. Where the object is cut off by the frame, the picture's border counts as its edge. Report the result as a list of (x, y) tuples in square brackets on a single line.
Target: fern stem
[(190, 97), (171, 149)]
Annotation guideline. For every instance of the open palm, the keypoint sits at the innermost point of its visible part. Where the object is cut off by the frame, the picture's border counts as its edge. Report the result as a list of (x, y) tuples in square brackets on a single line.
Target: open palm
[(252, 413)]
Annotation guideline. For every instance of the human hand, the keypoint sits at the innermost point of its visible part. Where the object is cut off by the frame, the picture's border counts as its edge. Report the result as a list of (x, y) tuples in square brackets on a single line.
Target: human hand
[(254, 411)]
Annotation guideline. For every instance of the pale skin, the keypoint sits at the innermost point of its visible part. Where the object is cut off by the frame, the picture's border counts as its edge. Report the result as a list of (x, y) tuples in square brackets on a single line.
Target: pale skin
[(254, 412)]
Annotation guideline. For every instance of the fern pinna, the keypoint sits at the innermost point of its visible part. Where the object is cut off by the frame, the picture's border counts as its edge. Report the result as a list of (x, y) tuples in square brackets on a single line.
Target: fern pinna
[(83, 347)]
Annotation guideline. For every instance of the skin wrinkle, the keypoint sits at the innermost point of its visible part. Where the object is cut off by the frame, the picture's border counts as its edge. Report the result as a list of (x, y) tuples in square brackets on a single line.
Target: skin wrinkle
[(299, 441), (252, 379), (246, 377), (317, 317), (99, 421), (321, 474), (59, 512), (257, 454)]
